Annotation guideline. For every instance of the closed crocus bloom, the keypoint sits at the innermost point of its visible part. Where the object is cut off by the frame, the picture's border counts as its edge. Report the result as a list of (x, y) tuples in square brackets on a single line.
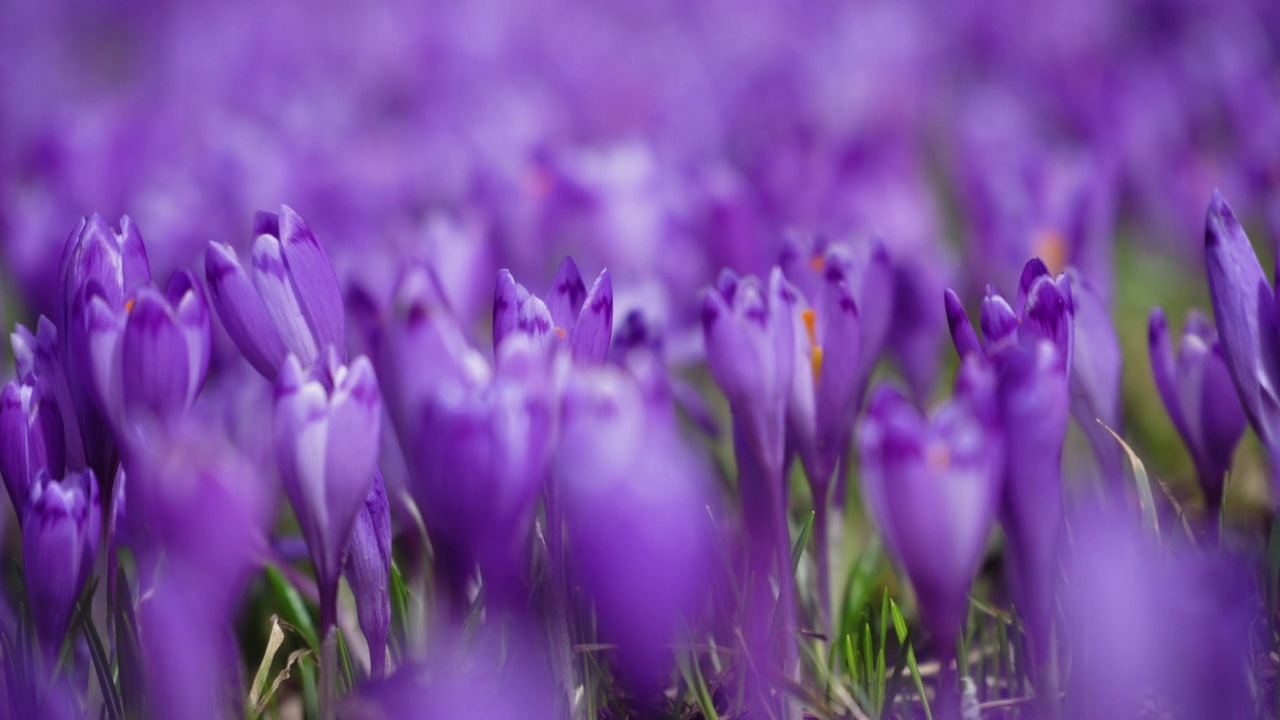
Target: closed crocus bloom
[(60, 532), (1244, 307), (635, 498), (1096, 368), (97, 262), (40, 354), (368, 571), (326, 437), (1045, 308), (1196, 388), (289, 302), (478, 459), (1034, 402), (31, 437), (148, 359), (933, 485), (750, 348), (567, 313)]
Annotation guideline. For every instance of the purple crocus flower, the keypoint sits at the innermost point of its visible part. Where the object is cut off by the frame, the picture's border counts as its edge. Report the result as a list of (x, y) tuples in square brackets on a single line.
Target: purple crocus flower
[(326, 437), (496, 437), (1034, 402), (148, 358), (569, 312), (1045, 308), (1201, 401), (635, 498), (1244, 306), (290, 302), (1096, 370), (31, 437), (60, 530), (1125, 659), (97, 262), (41, 355), (368, 571), (933, 485)]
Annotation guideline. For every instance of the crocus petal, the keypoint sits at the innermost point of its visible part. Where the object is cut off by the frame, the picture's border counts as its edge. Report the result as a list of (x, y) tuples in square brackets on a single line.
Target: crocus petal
[(1222, 420), (60, 538), (1050, 314), (368, 571), (1096, 377), (962, 333), (188, 302), (1244, 308), (998, 319), (242, 311), (314, 281), (272, 280), (101, 328), (31, 437), (840, 379), (1164, 371), (1032, 271), (589, 339), (875, 289), (566, 295), (355, 418), (301, 431), (507, 299), (535, 321), (155, 361)]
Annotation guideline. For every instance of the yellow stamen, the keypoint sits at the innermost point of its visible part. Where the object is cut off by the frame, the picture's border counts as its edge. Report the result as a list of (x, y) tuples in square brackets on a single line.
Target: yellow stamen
[(128, 306), (810, 317), (938, 458), (1051, 247), (560, 333)]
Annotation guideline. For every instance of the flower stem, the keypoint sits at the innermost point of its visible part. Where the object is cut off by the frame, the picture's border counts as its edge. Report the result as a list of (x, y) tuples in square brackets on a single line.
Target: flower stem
[(328, 650)]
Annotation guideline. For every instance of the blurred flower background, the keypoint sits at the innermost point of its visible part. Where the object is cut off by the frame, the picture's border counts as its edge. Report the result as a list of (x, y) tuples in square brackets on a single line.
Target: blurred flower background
[(881, 153)]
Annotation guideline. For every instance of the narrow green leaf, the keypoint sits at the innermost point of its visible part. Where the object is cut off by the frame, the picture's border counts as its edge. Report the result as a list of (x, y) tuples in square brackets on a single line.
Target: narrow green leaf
[(348, 667), (797, 549), (310, 695), (399, 611), (895, 678), (868, 660), (102, 667), (295, 608), (1146, 500), (884, 617), (851, 660)]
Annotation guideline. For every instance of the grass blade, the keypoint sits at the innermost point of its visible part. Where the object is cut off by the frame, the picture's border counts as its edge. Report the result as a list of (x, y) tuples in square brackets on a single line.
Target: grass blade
[(295, 608), (1146, 500)]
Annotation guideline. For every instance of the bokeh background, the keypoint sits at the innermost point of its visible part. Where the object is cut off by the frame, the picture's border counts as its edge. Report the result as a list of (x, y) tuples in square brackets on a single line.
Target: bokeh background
[(664, 139)]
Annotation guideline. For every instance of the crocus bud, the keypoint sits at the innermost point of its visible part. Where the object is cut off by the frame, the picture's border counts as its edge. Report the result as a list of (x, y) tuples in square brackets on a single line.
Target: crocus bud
[(1045, 309), (567, 313), (148, 358), (31, 437), (326, 437), (60, 532), (368, 571), (40, 354), (1198, 394), (635, 498), (1244, 307), (1096, 369), (751, 354), (290, 303), (1034, 402), (933, 485)]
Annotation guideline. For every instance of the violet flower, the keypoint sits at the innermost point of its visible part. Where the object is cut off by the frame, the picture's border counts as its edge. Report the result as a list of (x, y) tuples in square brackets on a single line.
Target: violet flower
[(1244, 306), (1199, 396), (290, 302), (1045, 308), (933, 486), (368, 571), (60, 530), (635, 498), (41, 355), (1096, 374), (568, 313), (326, 437), (147, 358), (31, 437), (97, 262)]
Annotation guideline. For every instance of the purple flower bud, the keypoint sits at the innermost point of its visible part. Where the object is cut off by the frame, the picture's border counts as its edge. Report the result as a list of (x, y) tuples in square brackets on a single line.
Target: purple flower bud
[(326, 437), (1096, 369), (933, 486), (368, 571), (1199, 396), (148, 358), (290, 303), (31, 437), (116, 261), (751, 354), (635, 499), (60, 532), (496, 435), (568, 313), (1244, 306), (1045, 309), (1034, 402), (41, 355)]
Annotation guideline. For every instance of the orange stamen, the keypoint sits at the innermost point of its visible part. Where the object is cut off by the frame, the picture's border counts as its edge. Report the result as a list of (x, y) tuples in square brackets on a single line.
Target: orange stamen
[(128, 306), (561, 333), (810, 317), (938, 458), (818, 262), (1051, 247)]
